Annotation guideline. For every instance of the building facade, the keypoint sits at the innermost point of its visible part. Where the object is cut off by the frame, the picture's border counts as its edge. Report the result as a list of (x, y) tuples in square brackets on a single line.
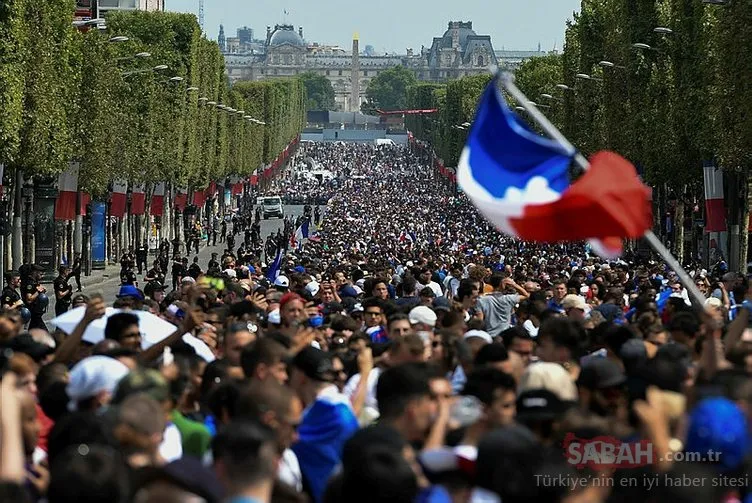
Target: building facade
[(99, 8), (285, 53)]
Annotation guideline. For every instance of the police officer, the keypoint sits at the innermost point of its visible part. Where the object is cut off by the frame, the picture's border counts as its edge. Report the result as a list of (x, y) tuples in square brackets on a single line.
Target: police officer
[(63, 291), (76, 272), (213, 267), (142, 252), (11, 299), (35, 296)]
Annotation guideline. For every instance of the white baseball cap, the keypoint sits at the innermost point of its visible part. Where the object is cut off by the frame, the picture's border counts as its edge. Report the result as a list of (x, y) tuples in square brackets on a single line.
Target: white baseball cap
[(422, 314), (482, 334), (282, 282)]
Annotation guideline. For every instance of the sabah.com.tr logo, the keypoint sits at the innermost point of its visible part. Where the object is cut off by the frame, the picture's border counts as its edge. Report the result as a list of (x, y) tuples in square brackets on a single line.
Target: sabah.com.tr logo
[(604, 452)]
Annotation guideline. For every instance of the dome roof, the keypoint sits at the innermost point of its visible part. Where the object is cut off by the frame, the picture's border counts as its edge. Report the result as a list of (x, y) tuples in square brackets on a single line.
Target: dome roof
[(286, 35)]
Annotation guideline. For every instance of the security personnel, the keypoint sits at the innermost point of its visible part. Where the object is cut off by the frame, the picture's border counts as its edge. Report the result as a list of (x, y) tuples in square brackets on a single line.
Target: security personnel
[(11, 299), (142, 253), (63, 291), (35, 296)]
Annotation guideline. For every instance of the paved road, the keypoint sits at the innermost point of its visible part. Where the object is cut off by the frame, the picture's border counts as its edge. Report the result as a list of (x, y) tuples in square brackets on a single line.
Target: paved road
[(107, 282)]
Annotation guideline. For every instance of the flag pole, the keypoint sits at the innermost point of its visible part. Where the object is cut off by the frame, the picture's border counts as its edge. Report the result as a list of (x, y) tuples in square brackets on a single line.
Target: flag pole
[(507, 82)]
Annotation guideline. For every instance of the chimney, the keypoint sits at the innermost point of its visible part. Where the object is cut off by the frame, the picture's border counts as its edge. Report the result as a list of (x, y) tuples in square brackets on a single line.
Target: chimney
[(268, 34), (300, 32), (455, 37), (409, 53)]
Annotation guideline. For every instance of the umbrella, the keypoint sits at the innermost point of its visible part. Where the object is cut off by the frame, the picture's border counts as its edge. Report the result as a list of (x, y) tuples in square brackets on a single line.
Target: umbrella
[(153, 329)]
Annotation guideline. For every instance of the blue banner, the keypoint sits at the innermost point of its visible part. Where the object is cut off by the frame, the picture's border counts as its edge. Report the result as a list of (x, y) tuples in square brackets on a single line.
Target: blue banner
[(98, 234)]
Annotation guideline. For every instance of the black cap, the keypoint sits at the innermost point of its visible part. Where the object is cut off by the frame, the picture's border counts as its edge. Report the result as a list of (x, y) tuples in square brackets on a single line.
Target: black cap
[(315, 364), (540, 405), (600, 373), (25, 343)]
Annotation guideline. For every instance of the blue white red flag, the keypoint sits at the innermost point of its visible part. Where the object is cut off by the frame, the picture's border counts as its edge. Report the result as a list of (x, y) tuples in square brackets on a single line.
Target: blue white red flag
[(301, 233), (274, 267), (520, 182)]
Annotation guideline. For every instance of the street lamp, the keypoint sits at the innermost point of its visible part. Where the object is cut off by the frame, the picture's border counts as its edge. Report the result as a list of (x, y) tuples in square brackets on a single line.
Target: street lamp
[(641, 46), (203, 99), (547, 96), (564, 87), (466, 124), (160, 68), (211, 103), (118, 39), (520, 109), (663, 30), (585, 76), (191, 89), (176, 79), (143, 55)]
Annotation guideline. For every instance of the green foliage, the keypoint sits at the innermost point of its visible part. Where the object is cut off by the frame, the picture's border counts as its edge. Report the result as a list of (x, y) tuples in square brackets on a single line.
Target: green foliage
[(12, 76), (68, 95), (319, 91), (389, 90)]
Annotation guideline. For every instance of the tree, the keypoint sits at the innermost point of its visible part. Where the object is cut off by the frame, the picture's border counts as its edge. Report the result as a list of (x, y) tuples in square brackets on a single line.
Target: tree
[(319, 91), (388, 91)]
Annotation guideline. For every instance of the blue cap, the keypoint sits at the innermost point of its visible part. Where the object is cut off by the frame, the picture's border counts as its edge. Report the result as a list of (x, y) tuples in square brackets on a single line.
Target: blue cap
[(251, 269), (130, 291), (299, 268), (719, 425)]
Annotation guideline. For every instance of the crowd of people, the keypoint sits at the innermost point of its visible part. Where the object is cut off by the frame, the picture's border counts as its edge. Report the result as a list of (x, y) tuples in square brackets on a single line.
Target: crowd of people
[(405, 352)]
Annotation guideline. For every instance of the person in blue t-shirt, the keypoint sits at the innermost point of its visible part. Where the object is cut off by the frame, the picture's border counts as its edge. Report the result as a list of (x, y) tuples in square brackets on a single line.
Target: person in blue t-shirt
[(328, 420)]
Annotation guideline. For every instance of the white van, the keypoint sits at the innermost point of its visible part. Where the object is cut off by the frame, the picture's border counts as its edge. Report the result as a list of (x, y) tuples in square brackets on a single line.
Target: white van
[(271, 206), (383, 141)]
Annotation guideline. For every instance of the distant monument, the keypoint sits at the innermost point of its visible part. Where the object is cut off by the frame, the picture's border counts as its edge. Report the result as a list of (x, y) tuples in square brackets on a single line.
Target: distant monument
[(355, 77)]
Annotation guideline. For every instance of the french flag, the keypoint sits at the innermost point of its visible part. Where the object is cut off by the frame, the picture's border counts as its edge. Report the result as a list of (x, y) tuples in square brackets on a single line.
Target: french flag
[(181, 199), (520, 182), (715, 209), (138, 199), (157, 200), (301, 233), (119, 198), (67, 183), (273, 272)]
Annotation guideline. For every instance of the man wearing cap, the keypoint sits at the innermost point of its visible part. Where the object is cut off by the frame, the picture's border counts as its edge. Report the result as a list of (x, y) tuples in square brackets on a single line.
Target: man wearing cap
[(574, 307), (35, 298), (63, 291), (423, 322), (328, 420), (601, 389), (93, 381), (11, 299), (282, 283)]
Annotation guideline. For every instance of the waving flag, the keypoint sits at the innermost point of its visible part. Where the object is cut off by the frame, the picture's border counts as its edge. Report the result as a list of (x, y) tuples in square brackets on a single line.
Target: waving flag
[(274, 267), (300, 234), (519, 181)]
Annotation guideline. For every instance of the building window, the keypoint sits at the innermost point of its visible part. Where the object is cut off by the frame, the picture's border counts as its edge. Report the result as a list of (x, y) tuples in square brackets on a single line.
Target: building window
[(365, 73), (276, 71), (339, 73), (481, 61), (327, 73)]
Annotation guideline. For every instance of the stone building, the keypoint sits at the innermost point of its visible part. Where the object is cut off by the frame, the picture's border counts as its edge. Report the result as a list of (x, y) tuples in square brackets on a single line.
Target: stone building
[(285, 53)]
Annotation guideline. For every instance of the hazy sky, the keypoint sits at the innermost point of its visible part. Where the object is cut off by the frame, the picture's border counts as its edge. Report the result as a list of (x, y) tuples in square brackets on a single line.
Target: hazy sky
[(393, 25)]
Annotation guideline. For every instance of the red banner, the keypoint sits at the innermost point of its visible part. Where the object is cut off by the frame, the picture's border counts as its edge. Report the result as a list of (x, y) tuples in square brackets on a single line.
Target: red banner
[(199, 197)]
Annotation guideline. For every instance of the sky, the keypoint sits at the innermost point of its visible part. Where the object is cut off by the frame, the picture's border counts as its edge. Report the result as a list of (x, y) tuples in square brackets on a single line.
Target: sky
[(393, 25)]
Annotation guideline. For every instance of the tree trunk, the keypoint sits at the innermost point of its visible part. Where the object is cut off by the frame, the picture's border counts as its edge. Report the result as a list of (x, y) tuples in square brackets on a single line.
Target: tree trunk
[(679, 230), (744, 230)]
